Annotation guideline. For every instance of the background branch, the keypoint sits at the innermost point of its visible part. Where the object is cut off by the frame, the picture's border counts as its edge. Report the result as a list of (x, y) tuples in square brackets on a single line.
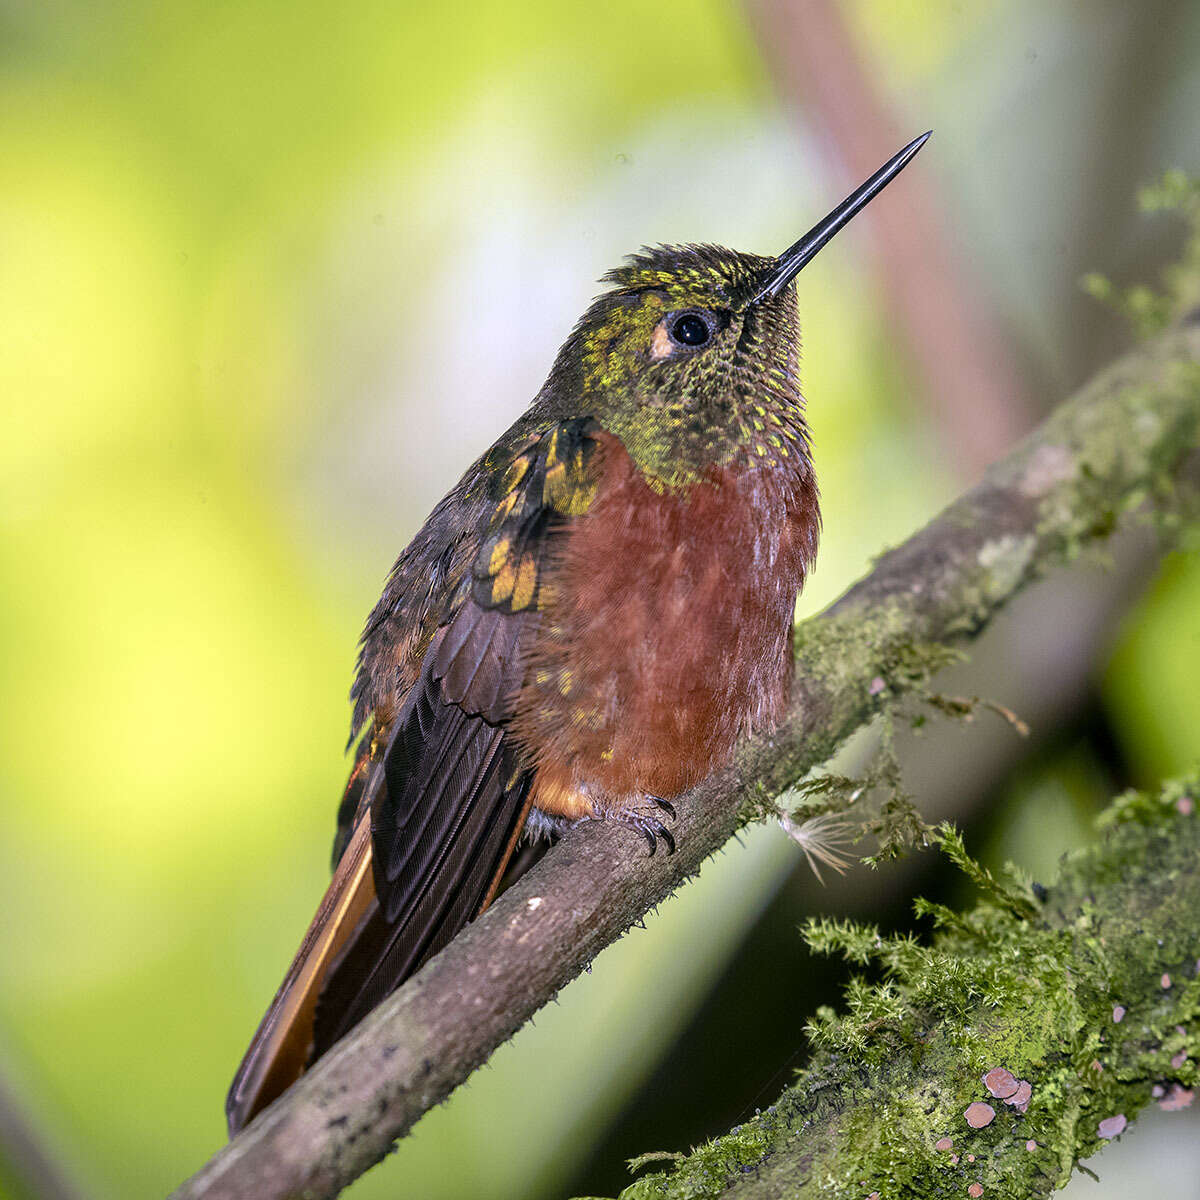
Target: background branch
[(29, 1164), (1122, 436), (955, 343)]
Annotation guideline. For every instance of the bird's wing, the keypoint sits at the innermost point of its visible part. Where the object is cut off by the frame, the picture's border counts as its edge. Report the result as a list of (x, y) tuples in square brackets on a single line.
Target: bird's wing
[(439, 803), (455, 796)]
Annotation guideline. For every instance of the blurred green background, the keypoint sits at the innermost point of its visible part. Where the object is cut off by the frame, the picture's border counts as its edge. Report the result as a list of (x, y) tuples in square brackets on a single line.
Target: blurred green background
[(272, 274)]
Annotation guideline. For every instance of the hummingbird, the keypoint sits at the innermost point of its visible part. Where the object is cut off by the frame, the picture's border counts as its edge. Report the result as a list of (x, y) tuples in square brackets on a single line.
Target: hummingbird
[(582, 630)]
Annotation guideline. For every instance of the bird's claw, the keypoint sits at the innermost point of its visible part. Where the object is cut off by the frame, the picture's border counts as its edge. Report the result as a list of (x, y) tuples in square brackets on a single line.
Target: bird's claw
[(668, 837), (651, 828), (669, 809)]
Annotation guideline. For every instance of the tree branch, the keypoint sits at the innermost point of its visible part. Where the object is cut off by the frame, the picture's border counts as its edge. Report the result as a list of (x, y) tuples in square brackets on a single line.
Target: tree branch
[(995, 1060), (1125, 435)]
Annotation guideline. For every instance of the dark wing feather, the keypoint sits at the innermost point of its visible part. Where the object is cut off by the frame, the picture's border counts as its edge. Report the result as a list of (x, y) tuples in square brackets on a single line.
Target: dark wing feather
[(455, 793), (439, 793), (477, 659), (436, 760), (442, 836)]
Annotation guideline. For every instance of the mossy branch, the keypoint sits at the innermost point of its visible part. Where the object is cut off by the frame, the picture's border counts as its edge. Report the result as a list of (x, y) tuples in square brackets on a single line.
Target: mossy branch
[(1123, 438), (991, 1061)]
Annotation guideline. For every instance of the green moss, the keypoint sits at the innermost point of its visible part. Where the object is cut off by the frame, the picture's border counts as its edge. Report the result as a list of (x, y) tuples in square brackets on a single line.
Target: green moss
[(1030, 986), (832, 648), (1152, 808), (1150, 311), (1012, 894), (1006, 560), (900, 668)]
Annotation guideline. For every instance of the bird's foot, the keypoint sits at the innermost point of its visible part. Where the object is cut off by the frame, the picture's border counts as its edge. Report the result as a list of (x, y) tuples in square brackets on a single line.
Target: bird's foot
[(640, 815), (642, 818)]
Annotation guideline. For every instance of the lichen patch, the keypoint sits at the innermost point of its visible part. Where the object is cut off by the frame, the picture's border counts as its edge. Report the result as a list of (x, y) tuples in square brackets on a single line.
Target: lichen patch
[(1000, 1083), (979, 1115)]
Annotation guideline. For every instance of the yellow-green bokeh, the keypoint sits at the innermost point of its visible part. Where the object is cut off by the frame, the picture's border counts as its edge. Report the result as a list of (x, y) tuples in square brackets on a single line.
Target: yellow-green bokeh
[(247, 251)]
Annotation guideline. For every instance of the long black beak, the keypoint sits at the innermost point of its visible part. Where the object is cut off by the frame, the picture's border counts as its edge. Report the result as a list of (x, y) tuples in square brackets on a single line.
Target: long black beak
[(789, 264)]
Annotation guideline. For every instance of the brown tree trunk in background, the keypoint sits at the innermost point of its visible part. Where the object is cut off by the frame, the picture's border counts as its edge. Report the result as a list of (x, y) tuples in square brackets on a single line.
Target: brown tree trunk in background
[(1132, 73), (27, 1159), (966, 377)]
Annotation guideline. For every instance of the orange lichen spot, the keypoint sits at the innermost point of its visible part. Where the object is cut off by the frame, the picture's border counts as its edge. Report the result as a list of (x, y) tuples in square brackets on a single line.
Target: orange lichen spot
[(1118, 1013), (975, 1191), (944, 1144), (1111, 1126)]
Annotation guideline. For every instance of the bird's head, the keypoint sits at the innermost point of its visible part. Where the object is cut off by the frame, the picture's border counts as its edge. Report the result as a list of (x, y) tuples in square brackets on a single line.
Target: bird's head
[(691, 357)]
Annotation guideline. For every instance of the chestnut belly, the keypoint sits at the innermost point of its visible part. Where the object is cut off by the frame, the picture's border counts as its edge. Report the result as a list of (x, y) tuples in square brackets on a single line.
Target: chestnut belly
[(665, 634)]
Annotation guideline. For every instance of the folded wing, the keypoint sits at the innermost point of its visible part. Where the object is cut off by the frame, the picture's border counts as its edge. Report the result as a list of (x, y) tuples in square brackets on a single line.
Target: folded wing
[(432, 812)]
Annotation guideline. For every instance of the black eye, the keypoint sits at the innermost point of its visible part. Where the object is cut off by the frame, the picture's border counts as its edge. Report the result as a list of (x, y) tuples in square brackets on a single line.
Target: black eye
[(688, 329)]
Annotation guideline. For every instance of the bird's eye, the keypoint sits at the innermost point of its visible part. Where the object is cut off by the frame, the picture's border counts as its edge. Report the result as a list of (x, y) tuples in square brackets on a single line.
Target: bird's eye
[(689, 329)]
